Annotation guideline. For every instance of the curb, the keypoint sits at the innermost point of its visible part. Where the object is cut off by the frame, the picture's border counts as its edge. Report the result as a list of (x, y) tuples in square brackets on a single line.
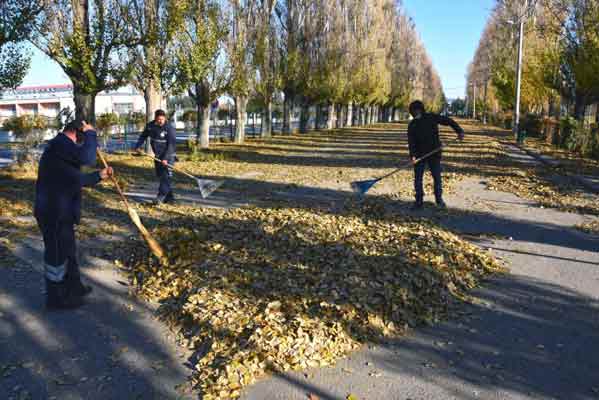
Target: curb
[(555, 164)]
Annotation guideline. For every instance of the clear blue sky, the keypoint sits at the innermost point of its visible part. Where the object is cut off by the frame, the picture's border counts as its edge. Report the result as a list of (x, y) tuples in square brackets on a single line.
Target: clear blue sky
[(450, 30)]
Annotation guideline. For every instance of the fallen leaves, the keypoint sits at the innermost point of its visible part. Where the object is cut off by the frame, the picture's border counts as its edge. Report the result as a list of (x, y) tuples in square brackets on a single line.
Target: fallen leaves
[(257, 290), (591, 227), (540, 185)]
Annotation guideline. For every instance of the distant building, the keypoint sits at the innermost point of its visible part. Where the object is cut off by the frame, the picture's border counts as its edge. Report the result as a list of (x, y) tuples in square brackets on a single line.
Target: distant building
[(49, 100)]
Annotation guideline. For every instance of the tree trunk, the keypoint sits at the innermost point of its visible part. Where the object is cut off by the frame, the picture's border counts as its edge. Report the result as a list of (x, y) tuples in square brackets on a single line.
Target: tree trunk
[(203, 126), (361, 120), (267, 120), (304, 118), (152, 99), (287, 105), (362, 116), (85, 106), (580, 106), (241, 102), (332, 118), (350, 116)]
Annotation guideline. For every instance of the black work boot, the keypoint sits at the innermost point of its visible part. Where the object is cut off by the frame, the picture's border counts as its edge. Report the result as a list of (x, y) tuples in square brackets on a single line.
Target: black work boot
[(58, 297), (170, 198), (159, 199), (74, 284), (418, 205), (441, 204), (79, 289)]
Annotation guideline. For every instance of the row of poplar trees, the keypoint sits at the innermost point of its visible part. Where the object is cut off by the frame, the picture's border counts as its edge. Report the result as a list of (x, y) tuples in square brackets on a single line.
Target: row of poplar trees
[(560, 67), (359, 59)]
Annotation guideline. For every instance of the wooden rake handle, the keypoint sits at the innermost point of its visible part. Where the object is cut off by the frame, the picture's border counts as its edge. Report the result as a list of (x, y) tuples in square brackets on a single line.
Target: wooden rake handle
[(112, 178)]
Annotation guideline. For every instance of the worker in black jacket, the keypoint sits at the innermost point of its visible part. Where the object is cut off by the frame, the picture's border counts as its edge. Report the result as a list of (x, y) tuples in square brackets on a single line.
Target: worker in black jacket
[(164, 143), (423, 138), (58, 208)]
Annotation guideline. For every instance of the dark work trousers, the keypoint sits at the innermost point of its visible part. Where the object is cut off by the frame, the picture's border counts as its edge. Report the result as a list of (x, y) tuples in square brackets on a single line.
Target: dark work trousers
[(164, 174), (434, 164), (60, 253)]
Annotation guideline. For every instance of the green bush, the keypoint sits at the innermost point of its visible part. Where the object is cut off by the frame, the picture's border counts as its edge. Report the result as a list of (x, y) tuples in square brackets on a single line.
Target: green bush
[(137, 118), (106, 121), (30, 130), (533, 125), (567, 126), (190, 116), (584, 140), (24, 125)]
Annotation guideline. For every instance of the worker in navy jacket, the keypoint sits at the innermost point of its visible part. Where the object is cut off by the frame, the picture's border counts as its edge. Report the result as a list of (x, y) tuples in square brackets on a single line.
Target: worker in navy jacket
[(58, 208), (163, 140), (423, 138)]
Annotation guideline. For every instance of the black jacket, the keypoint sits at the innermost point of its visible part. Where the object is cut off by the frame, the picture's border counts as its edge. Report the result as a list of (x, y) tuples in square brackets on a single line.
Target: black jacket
[(423, 133), (163, 140), (59, 179)]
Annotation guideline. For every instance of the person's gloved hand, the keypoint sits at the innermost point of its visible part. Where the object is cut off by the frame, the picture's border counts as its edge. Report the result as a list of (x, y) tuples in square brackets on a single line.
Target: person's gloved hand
[(106, 173), (461, 135)]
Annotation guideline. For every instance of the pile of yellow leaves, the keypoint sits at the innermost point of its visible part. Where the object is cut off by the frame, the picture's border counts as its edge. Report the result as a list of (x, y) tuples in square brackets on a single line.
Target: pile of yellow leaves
[(591, 227), (253, 290)]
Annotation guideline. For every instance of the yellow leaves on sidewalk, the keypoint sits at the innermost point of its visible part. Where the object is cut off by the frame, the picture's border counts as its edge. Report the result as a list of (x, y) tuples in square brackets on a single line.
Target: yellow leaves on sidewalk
[(259, 290)]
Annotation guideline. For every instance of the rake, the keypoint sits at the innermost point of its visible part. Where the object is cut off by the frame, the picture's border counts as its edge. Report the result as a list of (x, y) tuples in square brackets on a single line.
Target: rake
[(152, 243), (206, 186), (362, 187)]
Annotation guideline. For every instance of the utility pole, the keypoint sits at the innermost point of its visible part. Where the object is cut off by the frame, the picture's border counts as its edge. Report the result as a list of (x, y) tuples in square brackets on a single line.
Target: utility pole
[(485, 101), (516, 124)]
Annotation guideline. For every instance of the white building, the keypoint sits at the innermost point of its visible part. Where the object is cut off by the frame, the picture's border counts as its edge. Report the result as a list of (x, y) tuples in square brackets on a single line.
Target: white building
[(49, 100)]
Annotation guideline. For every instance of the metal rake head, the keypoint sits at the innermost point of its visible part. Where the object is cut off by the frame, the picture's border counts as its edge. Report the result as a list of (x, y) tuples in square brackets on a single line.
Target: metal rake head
[(208, 186), (362, 187)]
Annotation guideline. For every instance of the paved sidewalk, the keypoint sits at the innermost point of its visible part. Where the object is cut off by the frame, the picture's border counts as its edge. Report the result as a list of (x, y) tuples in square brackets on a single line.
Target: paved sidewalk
[(112, 348), (533, 334), (589, 182)]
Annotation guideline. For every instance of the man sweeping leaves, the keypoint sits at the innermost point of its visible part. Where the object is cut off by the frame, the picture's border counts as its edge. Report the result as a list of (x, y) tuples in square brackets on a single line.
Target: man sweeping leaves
[(164, 144), (423, 138), (58, 209)]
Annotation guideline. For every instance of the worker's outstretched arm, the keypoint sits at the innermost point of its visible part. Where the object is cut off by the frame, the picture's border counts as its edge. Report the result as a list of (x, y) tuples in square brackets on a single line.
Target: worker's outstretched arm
[(441, 120)]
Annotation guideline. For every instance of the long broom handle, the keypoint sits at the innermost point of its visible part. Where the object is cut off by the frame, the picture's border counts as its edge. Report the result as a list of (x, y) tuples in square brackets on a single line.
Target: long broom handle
[(171, 166), (112, 178), (424, 157)]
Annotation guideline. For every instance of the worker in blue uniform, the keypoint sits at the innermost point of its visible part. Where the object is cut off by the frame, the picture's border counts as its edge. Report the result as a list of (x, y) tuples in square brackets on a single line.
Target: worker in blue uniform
[(58, 209), (162, 136)]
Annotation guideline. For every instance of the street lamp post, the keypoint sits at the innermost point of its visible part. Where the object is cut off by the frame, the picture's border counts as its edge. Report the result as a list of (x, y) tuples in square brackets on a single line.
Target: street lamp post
[(516, 124)]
